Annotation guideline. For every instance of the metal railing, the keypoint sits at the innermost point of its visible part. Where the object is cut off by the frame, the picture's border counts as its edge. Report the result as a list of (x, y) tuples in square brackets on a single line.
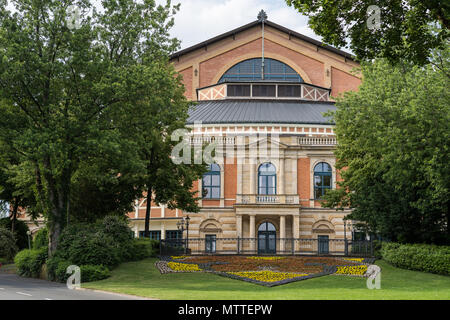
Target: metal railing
[(265, 246)]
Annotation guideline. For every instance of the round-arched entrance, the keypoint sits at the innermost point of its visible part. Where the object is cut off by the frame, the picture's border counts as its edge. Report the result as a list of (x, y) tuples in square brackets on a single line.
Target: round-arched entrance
[(267, 238)]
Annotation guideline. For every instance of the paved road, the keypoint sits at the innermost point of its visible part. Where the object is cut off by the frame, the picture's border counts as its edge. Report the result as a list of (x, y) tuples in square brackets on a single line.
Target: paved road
[(13, 287)]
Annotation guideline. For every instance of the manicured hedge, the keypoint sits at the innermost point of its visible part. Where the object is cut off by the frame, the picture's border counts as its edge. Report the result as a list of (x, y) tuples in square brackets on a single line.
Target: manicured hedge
[(93, 273), (419, 257), (29, 262)]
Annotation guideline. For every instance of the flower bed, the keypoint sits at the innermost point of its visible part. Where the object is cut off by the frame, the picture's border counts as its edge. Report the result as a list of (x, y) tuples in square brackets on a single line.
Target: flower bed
[(183, 267), (352, 270), (268, 271), (268, 276)]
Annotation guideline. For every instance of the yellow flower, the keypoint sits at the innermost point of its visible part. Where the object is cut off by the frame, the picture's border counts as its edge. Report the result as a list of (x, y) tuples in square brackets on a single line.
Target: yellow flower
[(354, 259), (268, 276), (178, 257), (352, 270), (266, 258), (183, 267)]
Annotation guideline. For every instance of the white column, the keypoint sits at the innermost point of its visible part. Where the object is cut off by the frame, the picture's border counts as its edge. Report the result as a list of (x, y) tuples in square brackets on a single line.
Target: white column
[(222, 186), (294, 176), (296, 231), (239, 226), (252, 178), (282, 232), (163, 230), (252, 232), (281, 179)]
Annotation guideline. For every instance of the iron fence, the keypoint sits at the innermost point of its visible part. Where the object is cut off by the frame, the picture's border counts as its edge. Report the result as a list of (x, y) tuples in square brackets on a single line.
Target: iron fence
[(262, 246)]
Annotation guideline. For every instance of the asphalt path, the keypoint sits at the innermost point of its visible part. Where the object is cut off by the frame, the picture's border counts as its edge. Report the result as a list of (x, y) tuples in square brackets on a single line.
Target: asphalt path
[(13, 287)]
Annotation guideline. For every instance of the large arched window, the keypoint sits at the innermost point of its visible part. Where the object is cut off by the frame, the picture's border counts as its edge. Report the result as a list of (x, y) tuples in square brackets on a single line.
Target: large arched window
[(267, 179), (322, 179), (250, 70), (211, 182), (266, 226)]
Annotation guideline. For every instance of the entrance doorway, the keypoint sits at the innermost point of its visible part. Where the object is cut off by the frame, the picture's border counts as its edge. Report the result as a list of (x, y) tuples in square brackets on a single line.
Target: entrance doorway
[(267, 238), (323, 242)]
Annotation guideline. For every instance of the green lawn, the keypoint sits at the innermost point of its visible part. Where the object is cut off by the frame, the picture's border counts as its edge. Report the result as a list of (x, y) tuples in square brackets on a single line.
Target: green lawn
[(143, 279)]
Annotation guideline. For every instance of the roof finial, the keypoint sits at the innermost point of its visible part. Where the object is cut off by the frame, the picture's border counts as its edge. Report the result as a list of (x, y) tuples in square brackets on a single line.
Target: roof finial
[(262, 16)]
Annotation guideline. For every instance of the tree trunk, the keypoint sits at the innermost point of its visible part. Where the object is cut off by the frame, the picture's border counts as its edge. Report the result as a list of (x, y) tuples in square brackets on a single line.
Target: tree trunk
[(14, 215), (148, 209)]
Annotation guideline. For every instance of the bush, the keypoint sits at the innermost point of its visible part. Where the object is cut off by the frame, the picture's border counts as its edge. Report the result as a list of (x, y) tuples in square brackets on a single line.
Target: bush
[(107, 243), (419, 257), (41, 239), (29, 262), (56, 269), (20, 231), (8, 247), (144, 248), (93, 273)]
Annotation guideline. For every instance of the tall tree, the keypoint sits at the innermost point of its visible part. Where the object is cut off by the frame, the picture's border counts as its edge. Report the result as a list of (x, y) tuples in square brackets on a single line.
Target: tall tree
[(66, 77), (395, 30), (394, 147), (160, 115)]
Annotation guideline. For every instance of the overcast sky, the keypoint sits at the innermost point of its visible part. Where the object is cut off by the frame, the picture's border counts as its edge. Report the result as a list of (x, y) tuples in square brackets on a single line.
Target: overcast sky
[(200, 20)]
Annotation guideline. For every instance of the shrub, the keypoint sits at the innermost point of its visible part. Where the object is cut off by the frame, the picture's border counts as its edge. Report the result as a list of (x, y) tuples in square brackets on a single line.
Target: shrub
[(29, 262), (93, 273), (144, 248), (419, 257), (56, 269), (41, 239), (8, 247), (94, 248), (20, 231)]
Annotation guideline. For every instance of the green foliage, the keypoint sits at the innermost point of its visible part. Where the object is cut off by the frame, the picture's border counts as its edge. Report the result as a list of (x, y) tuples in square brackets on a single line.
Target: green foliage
[(56, 269), (107, 242), (404, 31), (68, 96), (41, 239), (8, 247), (419, 257), (29, 262), (144, 248), (20, 231), (394, 142), (93, 273)]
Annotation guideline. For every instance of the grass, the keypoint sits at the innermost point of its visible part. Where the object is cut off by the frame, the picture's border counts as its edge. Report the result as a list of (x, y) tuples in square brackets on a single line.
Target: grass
[(143, 279)]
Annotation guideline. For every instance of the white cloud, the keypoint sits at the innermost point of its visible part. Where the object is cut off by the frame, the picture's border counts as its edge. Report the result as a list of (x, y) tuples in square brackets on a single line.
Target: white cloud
[(200, 20)]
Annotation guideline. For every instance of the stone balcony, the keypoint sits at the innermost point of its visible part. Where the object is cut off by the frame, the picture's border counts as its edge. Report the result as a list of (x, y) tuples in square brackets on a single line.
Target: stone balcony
[(267, 199)]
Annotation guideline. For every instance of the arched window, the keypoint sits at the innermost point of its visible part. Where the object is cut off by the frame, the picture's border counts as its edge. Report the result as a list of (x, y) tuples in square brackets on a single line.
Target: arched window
[(250, 70), (266, 226), (211, 182), (322, 179), (267, 179)]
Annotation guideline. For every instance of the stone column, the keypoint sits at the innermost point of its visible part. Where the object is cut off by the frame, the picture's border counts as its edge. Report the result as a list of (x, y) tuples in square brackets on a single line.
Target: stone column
[(281, 179), (239, 226), (252, 232), (282, 233), (163, 230), (296, 231), (252, 179)]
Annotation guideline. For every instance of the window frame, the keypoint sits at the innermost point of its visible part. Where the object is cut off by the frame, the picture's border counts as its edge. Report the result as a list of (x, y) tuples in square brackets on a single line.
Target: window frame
[(211, 186), (266, 176), (322, 174)]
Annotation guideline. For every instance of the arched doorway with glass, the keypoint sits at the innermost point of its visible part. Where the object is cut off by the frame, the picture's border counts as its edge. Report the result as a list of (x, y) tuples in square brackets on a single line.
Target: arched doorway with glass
[(267, 238)]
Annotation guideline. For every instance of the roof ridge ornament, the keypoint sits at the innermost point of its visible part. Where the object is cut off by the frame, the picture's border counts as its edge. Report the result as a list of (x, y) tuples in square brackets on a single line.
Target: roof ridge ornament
[(262, 17)]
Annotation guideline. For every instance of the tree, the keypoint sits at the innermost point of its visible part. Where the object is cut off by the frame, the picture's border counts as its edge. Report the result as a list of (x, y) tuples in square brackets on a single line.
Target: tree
[(394, 143), (405, 27), (161, 114), (63, 81)]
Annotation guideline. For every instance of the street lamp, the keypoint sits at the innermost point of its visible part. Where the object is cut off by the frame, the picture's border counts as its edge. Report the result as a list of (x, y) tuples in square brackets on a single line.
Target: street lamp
[(29, 242), (182, 225)]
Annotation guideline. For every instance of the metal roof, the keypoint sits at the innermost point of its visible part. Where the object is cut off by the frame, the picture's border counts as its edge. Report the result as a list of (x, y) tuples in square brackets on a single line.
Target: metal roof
[(260, 111), (290, 32)]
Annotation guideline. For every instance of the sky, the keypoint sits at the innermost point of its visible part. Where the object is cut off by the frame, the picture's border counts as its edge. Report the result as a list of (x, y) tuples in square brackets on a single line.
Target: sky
[(200, 20)]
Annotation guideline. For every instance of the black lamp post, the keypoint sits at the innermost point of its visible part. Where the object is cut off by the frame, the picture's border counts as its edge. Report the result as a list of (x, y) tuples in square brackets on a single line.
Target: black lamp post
[(182, 225)]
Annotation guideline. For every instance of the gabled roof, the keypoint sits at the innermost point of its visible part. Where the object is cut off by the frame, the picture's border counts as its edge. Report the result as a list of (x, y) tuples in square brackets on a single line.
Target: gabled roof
[(260, 111), (270, 24)]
